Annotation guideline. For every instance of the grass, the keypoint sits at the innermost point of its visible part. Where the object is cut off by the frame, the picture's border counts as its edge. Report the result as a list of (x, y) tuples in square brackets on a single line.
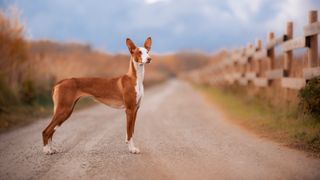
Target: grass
[(287, 126)]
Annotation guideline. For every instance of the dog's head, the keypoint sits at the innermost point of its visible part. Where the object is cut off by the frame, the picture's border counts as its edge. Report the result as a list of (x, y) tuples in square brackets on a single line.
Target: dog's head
[(140, 54)]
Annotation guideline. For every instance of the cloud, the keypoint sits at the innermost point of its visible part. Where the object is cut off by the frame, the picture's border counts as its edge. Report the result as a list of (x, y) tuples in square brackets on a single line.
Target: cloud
[(290, 10), (155, 1), (174, 24), (244, 9)]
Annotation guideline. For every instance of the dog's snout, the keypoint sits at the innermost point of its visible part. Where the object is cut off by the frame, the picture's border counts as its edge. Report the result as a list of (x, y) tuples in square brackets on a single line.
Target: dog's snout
[(149, 60)]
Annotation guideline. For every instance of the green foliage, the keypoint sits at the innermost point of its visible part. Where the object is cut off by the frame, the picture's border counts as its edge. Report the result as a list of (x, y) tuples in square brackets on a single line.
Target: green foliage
[(310, 97)]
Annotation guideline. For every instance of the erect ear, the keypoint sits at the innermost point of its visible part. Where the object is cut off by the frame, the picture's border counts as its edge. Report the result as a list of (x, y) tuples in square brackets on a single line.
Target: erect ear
[(130, 45), (147, 43)]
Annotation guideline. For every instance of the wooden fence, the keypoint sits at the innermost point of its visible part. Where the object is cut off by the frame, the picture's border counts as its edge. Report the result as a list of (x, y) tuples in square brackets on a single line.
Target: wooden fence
[(259, 66)]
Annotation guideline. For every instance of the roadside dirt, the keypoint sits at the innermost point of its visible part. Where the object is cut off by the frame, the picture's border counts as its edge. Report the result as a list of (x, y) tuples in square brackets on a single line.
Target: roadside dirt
[(178, 132)]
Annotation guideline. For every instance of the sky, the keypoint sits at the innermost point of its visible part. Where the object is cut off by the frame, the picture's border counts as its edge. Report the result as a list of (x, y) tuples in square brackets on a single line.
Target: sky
[(174, 25)]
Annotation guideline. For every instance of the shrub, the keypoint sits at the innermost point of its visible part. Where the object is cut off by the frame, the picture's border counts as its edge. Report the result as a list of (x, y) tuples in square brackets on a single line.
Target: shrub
[(27, 92), (7, 97), (13, 57), (310, 97)]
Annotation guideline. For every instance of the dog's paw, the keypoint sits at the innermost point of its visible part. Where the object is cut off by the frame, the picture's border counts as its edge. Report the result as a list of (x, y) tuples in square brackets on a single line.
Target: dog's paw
[(49, 150), (134, 150)]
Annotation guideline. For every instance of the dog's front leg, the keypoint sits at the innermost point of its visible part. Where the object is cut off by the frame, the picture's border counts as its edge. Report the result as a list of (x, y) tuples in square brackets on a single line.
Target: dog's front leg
[(130, 112)]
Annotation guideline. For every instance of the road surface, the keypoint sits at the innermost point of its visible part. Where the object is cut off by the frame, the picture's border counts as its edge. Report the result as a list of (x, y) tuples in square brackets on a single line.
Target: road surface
[(180, 135)]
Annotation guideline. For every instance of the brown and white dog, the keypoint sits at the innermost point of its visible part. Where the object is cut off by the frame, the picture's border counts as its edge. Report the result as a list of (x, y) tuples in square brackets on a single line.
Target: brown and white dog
[(120, 92)]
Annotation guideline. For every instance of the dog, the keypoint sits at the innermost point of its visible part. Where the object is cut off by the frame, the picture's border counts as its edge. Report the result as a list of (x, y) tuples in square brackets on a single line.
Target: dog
[(124, 92)]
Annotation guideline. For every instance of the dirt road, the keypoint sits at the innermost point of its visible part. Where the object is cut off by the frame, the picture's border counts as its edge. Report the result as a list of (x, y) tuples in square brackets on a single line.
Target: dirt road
[(180, 134)]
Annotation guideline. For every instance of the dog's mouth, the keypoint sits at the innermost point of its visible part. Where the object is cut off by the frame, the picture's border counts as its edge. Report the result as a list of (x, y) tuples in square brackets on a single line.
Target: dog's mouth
[(148, 61), (143, 63)]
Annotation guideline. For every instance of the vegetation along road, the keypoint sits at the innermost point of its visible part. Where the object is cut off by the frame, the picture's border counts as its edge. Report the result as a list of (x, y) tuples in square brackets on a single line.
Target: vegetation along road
[(180, 135)]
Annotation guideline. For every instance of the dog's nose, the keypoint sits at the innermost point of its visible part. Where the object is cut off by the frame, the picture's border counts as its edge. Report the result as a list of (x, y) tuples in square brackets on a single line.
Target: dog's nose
[(149, 60)]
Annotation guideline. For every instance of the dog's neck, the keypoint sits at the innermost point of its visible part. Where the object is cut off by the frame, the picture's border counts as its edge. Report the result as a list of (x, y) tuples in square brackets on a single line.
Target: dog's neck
[(136, 70)]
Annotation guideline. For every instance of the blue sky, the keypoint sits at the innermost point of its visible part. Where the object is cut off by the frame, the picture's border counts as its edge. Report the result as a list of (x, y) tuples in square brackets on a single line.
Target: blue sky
[(175, 25)]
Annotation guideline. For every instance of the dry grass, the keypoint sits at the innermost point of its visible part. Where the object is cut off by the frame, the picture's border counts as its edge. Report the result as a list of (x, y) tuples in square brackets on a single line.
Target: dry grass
[(285, 125), (14, 53)]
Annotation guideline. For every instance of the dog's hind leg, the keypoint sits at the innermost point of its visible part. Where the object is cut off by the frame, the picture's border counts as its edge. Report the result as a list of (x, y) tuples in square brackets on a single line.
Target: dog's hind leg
[(47, 136), (63, 108)]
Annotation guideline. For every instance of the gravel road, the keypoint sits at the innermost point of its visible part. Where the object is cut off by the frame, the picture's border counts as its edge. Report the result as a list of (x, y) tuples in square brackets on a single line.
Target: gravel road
[(180, 135)]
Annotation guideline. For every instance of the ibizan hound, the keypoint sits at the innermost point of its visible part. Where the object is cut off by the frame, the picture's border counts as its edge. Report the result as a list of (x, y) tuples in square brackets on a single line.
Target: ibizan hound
[(125, 92)]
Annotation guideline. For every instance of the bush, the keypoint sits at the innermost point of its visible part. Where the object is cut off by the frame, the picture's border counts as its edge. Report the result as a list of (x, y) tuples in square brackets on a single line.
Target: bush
[(310, 97), (7, 97), (27, 92), (13, 59)]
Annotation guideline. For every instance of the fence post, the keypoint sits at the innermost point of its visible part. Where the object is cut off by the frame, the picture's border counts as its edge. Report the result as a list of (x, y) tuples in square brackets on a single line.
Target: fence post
[(258, 61), (270, 52), (288, 55), (313, 50), (249, 63), (259, 44)]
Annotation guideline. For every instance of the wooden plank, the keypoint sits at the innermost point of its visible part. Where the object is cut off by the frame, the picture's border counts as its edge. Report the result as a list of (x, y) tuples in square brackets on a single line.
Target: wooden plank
[(219, 79), (237, 75), (260, 54), (227, 61), (312, 29), (276, 41), (221, 65), (250, 75), (275, 74), (230, 62), (309, 73), (236, 56), (235, 60), (261, 82), (293, 83), (294, 44), (243, 81), (230, 78), (231, 81), (250, 51), (243, 60)]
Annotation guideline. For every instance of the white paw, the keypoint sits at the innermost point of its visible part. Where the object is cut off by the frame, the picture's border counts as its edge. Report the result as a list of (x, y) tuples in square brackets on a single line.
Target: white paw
[(48, 150), (134, 150)]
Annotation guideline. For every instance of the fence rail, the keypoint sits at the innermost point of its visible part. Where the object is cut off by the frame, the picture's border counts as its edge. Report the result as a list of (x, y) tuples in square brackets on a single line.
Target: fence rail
[(258, 66)]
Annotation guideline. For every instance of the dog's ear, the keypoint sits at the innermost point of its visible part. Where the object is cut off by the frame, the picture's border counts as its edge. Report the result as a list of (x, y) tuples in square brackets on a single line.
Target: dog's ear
[(130, 45), (147, 43)]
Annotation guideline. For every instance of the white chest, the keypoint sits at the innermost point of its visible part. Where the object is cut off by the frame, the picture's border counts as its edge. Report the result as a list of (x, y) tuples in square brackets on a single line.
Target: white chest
[(139, 92), (139, 83)]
